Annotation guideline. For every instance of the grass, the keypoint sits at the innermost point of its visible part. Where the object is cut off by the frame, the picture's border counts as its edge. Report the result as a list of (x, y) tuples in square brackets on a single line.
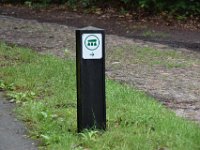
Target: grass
[(153, 34), (43, 87), (168, 59)]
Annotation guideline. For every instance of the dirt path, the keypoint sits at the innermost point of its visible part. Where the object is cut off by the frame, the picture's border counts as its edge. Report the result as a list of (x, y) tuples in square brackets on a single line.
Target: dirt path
[(178, 87), (12, 132), (177, 34)]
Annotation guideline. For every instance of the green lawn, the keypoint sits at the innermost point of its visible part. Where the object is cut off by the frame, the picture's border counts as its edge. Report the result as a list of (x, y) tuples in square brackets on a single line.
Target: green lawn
[(44, 89)]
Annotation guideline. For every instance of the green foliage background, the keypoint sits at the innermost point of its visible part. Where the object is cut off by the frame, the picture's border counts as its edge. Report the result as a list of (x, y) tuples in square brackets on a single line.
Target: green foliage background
[(181, 7)]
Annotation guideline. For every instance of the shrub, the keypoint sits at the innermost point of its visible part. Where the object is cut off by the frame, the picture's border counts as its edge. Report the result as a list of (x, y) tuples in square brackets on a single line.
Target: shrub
[(180, 7)]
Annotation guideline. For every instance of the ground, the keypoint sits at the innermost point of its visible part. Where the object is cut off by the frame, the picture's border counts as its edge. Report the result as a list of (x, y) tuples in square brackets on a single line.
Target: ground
[(176, 33), (175, 85), (13, 133)]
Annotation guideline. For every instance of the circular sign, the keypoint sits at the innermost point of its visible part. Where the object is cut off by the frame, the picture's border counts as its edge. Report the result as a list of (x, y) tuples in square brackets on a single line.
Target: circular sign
[(92, 42)]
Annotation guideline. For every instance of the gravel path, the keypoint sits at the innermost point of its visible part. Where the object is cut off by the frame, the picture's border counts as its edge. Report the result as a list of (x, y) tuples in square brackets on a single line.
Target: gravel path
[(176, 87), (12, 132)]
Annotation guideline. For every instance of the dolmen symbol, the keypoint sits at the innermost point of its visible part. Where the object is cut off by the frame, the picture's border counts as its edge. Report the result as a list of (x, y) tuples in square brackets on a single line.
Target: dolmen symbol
[(92, 42)]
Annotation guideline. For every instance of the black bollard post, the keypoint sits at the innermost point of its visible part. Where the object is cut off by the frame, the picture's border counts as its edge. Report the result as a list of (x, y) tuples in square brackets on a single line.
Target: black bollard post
[(90, 72)]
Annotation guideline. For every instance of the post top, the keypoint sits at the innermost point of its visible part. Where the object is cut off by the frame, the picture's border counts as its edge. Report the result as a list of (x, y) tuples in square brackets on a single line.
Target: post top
[(90, 28)]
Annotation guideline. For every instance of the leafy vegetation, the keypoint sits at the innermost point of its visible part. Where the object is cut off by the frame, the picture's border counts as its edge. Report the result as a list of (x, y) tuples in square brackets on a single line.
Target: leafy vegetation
[(176, 7), (43, 87)]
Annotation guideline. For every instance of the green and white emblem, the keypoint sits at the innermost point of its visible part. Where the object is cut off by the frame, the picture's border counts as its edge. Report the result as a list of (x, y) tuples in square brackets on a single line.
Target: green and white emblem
[(92, 46)]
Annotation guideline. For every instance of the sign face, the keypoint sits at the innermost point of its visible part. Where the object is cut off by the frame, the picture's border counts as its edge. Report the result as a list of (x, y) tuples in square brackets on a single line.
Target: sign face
[(92, 46)]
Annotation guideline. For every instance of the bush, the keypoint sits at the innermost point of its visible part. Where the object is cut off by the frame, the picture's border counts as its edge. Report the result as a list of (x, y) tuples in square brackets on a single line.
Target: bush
[(181, 7), (184, 7)]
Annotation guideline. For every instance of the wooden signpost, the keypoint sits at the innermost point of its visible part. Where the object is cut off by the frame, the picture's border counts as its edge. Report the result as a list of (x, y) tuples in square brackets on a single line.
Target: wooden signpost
[(90, 71)]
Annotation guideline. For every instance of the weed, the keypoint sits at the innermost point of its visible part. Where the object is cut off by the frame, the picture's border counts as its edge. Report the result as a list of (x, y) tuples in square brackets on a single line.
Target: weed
[(20, 97), (88, 135), (154, 34), (8, 87), (148, 56)]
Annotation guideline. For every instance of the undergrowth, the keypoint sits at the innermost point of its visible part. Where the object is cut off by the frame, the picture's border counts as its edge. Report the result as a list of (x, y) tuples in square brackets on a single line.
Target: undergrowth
[(179, 8)]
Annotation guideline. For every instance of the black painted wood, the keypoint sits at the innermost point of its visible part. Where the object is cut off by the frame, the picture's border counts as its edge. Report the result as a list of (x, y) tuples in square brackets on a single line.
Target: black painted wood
[(91, 99)]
